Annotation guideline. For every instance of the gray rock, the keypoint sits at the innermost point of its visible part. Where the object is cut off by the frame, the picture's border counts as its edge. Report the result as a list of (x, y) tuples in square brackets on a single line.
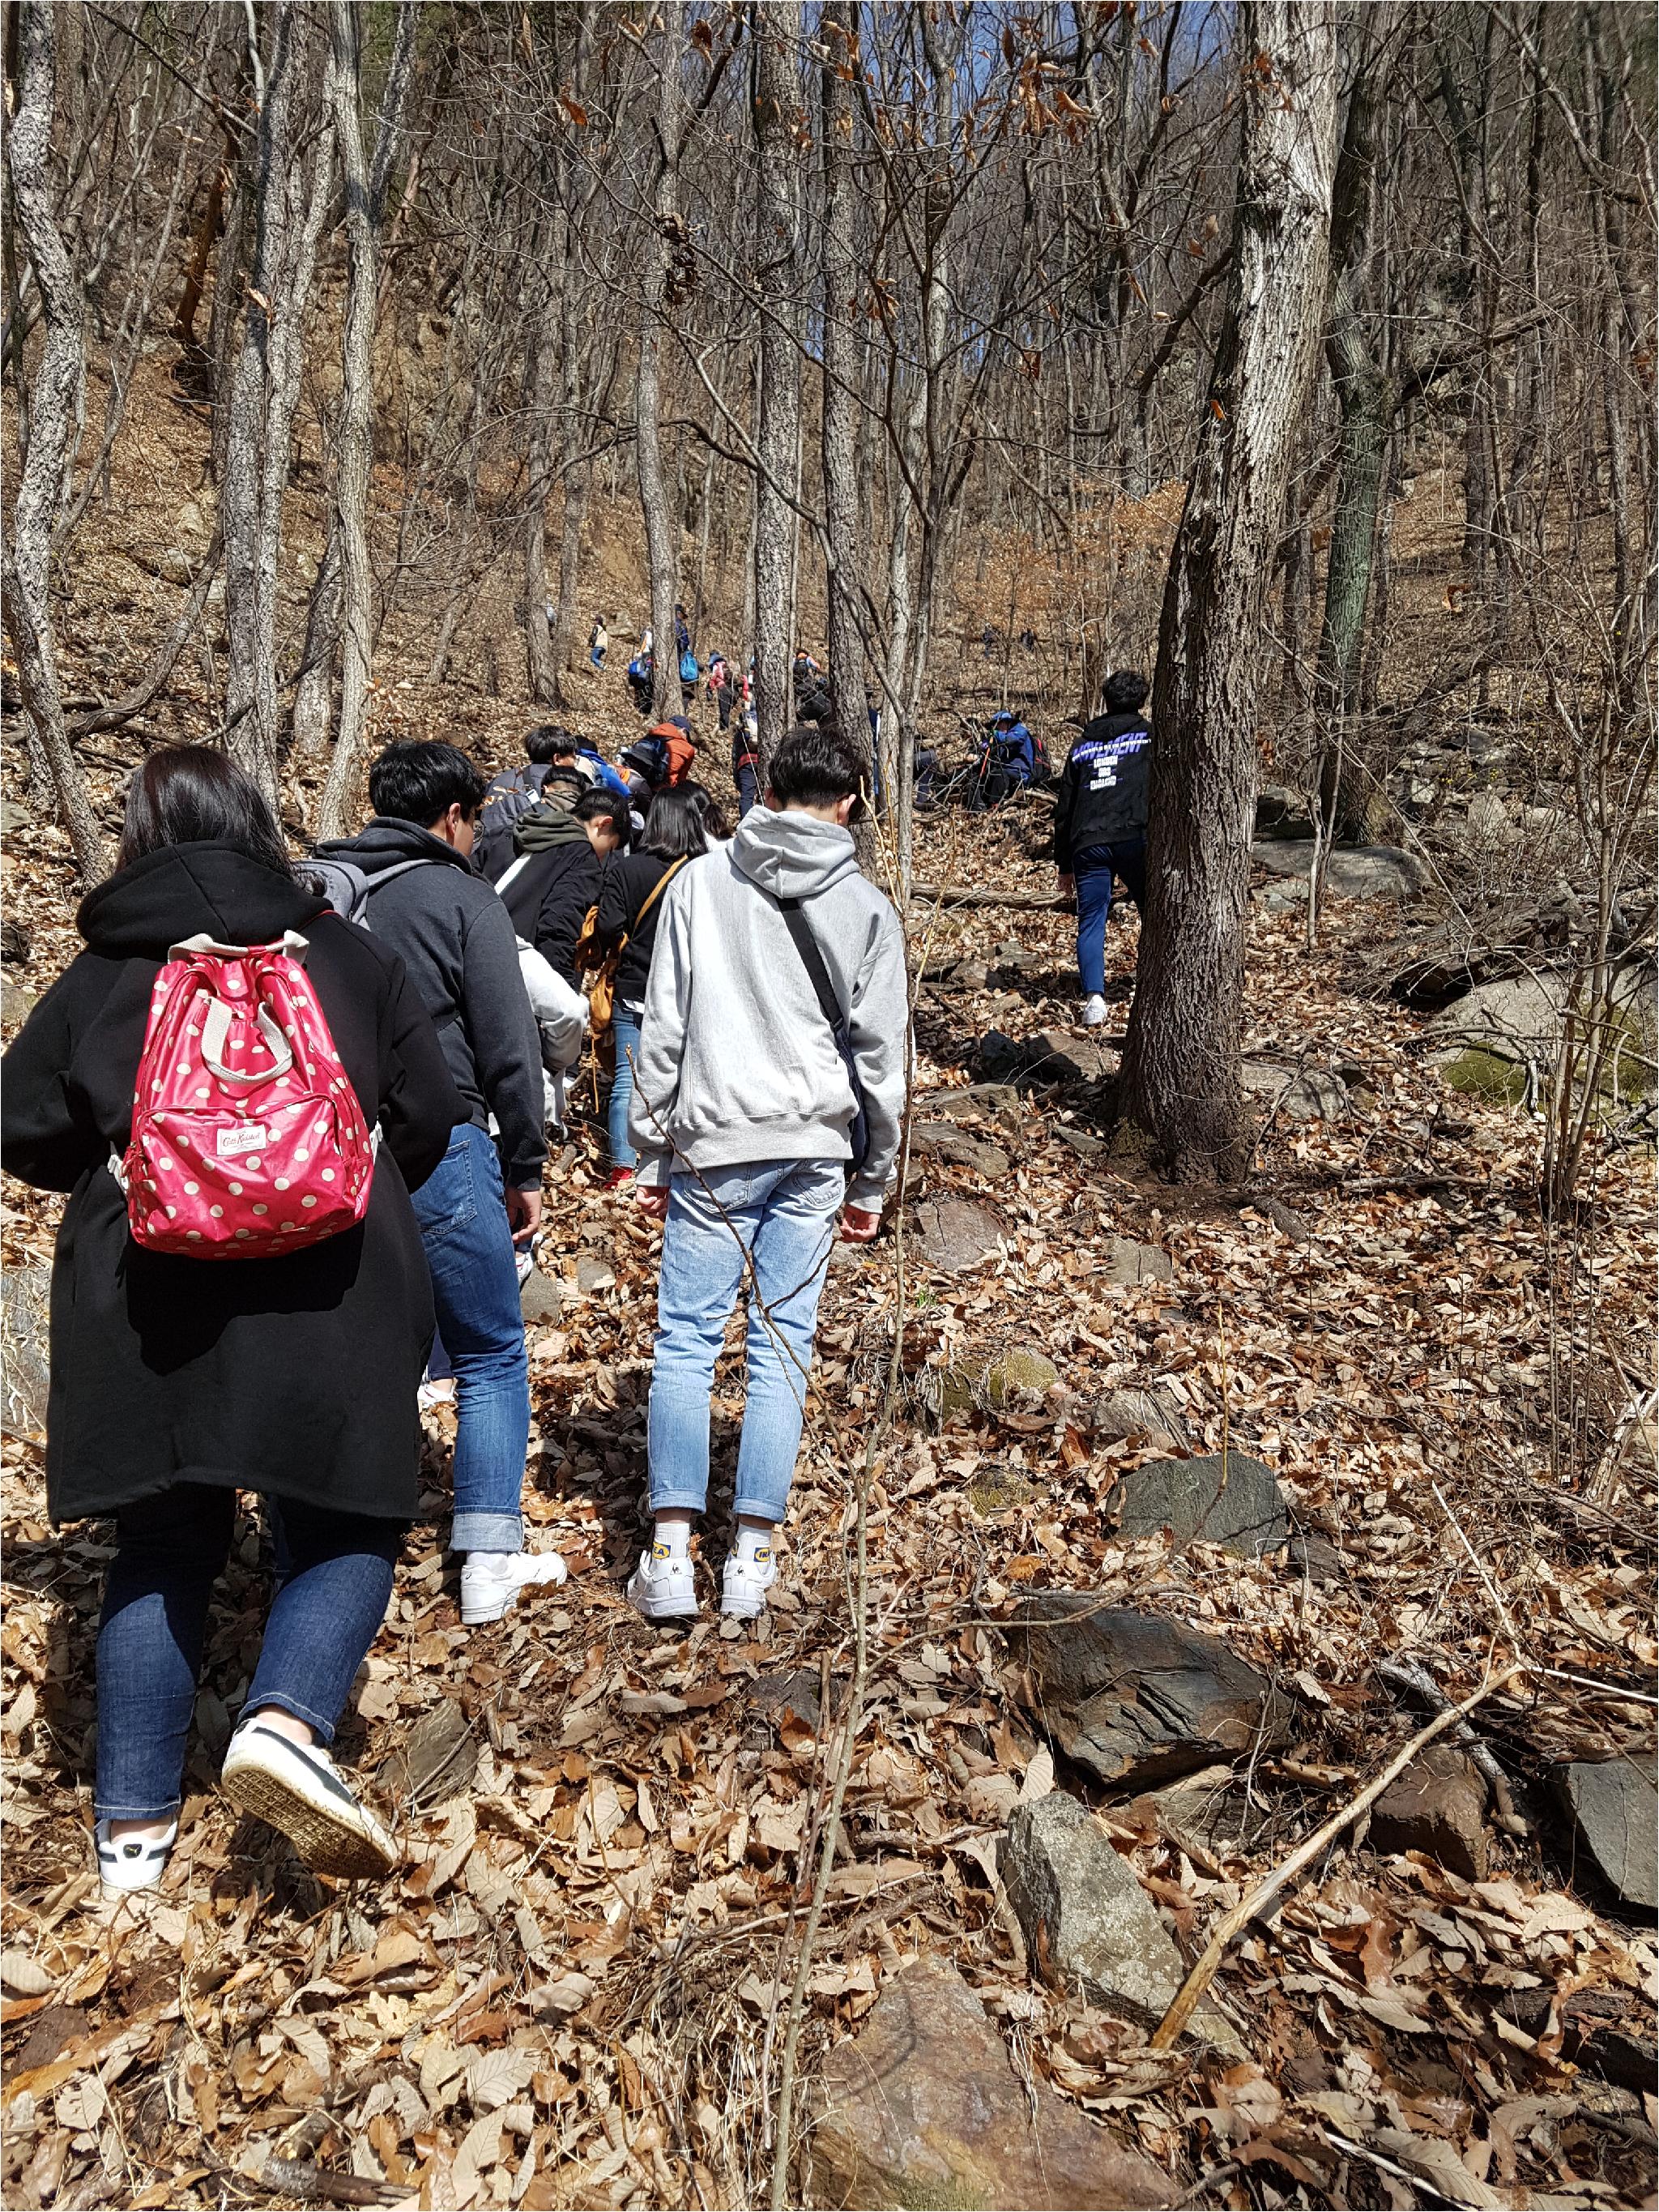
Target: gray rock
[(943, 1140), (16, 1005), (991, 1101), (594, 1275), (957, 1234), (437, 1762), (1359, 871), (541, 1297), (14, 938), (1317, 1558), (1086, 1918), (14, 819), (1285, 1218), (1233, 1502), (25, 1350), (1615, 1808), (1079, 1140), (1056, 1056), (1125, 1263), (923, 2107), (1305, 1094), (1281, 812), (1139, 1413), (1206, 1812), (999, 1057), (1137, 1699)]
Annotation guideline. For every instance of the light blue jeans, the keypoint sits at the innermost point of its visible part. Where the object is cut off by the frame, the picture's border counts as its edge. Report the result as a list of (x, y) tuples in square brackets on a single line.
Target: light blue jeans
[(474, 1287), (777, 1217)]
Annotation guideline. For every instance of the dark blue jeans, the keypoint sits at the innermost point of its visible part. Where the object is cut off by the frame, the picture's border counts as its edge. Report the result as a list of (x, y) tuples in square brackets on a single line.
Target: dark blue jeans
[(333, 1579), (474, 1287), (748, 783), (1093, 869)]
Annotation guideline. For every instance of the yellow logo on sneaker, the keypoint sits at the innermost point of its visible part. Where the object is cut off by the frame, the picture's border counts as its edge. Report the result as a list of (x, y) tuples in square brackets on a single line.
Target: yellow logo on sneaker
[(763, 1554), (661, 1552)]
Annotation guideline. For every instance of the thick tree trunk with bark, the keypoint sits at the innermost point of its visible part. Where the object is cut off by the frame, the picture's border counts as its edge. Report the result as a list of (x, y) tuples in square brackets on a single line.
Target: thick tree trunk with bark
[(1180, 1081), (540, 373), (661, 531), (56, 405), (777, 436)]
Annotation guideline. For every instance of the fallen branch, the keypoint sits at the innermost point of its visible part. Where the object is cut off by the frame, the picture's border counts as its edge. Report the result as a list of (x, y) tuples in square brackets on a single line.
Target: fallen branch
[(316, 2184), (1190, 1993), (971, 894)]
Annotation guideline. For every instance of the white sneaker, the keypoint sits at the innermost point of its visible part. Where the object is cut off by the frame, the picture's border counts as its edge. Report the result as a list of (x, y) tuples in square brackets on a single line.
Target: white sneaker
[(744, 1585), (663, 1588), (431, 1395), (134, 1862), (297, 1789), (1094, 1010), (490, 1581)]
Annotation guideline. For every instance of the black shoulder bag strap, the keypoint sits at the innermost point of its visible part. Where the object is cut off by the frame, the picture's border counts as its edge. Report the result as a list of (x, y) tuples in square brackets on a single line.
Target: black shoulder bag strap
[(811, 959)]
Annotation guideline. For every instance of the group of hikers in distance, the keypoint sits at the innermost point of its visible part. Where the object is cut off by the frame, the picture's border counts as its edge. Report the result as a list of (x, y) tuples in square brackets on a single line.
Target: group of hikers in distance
[(302, 1109)]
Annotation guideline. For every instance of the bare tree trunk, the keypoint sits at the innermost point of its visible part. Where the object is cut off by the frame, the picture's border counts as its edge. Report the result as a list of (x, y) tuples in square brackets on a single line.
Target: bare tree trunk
[(56, 405), (539, 663), (365, 205), (576, 471), (264, 393), (838, 30), (777, 124), (661, 533), (1180, 1080)]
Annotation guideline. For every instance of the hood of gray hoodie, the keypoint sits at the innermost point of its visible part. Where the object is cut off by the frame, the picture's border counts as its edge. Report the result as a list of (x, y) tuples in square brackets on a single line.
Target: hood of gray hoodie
[(793, 855)]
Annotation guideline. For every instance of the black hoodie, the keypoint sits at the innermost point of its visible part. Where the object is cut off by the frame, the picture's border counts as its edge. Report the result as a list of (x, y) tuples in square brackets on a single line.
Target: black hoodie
[(453, 935), (1104, 789), (294, 1375)]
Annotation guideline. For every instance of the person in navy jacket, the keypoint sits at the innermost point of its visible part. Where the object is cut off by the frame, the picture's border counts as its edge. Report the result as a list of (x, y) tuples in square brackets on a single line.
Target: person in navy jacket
[(1100, 825)]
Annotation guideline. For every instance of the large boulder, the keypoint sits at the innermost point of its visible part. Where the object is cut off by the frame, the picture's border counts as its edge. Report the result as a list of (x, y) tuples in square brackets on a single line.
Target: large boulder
[(1086, 1920), (1231, 1500), (25, 1350), (990, 1382), (1615, 1805), (1357, 871), (1137, 1699), (955, 1235), (924, 2107), (1488, 1042), (1299, 1094)]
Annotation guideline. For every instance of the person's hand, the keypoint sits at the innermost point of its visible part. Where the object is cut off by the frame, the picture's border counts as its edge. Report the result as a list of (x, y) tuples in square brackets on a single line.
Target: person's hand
[(859, 1224), (1066, 885), (524, 1213), (651, 1199)]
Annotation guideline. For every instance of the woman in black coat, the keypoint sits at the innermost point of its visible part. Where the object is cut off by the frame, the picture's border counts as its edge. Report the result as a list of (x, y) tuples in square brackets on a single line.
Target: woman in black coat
[(176, 1381)]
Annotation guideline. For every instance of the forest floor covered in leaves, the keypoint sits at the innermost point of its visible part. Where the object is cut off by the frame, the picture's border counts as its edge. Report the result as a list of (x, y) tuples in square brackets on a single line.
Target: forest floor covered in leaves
[(574, 1993)]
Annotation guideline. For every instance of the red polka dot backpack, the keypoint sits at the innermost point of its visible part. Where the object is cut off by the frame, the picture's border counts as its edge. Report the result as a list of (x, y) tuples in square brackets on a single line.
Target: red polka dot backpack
[(247, 1138)]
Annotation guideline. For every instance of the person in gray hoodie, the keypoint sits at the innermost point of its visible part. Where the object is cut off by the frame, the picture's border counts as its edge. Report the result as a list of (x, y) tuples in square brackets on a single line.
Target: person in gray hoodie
[(769, 1094)]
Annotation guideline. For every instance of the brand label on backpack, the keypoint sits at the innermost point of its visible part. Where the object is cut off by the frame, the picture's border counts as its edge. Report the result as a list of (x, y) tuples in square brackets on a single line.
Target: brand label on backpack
[(250, 1137)]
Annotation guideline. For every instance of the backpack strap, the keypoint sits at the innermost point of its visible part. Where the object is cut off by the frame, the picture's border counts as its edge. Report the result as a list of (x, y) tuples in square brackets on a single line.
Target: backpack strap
[(658, 889), (372, 883), (812, 960)]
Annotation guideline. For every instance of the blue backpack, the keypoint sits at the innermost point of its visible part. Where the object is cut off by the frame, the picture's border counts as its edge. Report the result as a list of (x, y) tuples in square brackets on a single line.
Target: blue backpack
[(688, 668)]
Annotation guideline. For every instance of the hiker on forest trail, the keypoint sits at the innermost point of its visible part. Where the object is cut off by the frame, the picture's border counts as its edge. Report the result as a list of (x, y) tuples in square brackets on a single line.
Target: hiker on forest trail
[(745, 760), (556, 874), (631, 908), (425, 902), (552, 775), (1007, 762), (599, 641), (768, 1091), (1100, 825), (177, 1380)]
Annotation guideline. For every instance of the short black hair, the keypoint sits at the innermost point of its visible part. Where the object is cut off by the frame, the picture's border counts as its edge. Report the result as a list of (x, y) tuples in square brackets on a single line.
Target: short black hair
[(815, 767), (1125, 690), (599, 805), (419, 780), (546, 741)]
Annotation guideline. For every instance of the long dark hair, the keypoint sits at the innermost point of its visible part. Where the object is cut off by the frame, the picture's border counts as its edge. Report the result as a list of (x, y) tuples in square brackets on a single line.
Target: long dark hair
[(191, 795), (714, 822), (674, 828)]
